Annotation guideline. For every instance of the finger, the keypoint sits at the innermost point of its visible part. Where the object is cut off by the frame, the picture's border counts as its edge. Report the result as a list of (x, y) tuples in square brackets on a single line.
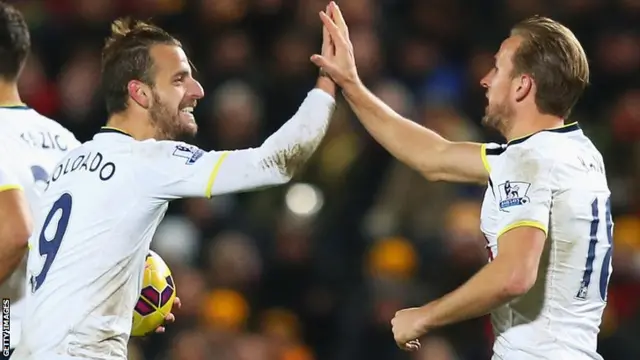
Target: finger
[(326, 37), (177, 303), (336, 15), (170, 318), (160, 330), (411, 347), (325, 32), (327, 44), (326, 68), (415, 342), (320, 61), (331, 26), (333, 30)]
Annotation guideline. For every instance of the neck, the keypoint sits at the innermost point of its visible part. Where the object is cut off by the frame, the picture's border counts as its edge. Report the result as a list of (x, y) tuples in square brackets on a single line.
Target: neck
[(527, 125), (9, 95), (130, 123)]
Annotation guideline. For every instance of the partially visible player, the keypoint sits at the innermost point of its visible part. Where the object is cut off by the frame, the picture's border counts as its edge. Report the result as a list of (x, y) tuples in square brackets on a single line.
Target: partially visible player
[(546, 212), (30, 147), (106, 198)]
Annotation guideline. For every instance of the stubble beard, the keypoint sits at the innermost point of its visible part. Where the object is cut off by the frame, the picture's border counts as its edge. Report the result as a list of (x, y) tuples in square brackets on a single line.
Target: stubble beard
[(167, 122), (498, 117)]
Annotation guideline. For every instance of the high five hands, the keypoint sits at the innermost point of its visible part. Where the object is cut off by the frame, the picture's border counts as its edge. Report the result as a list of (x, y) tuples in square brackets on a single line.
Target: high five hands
[(338, 64)]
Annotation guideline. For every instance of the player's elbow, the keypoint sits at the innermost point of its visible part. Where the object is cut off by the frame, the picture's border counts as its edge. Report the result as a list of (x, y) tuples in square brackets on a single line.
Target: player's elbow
[(434, 167), (283, 178), (433, 176), (519, 281), (283, 164)]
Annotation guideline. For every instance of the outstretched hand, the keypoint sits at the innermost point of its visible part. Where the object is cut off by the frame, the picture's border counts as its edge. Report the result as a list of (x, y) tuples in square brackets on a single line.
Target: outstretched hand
[(338, 64), (170, 318)]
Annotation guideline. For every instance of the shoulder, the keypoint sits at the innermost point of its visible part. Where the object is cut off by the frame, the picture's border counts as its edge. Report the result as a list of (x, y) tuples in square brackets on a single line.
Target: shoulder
[(167, 150), (45, 122), (528, 162), (490, 153), (537, 149), (493, 149), (55, 127)]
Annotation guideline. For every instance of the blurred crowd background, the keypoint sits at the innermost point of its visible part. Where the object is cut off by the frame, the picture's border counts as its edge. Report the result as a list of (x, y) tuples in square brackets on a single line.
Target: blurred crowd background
[(316, 269)]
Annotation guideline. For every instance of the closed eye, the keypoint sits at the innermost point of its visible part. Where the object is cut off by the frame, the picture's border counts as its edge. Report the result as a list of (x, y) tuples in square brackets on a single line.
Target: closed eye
[(180, 77)]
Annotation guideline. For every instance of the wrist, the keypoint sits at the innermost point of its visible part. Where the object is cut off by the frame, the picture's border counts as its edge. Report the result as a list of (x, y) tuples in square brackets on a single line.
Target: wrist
[(425, 320), (352, 86), (327, 85)]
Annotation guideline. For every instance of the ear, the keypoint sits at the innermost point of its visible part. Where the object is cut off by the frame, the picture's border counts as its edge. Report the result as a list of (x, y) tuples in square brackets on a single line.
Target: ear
[(139, 92), (525, 86)]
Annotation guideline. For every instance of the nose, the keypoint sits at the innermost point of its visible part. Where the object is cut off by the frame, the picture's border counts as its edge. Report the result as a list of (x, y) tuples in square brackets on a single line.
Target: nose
[(484, 82), (195, 90)]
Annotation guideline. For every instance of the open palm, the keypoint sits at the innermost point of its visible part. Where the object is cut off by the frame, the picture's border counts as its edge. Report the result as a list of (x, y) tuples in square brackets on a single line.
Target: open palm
[(340, 64)]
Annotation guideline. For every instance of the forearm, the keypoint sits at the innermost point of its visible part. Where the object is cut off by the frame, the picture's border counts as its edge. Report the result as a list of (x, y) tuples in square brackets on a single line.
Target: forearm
[(409, 142), (10, 258), (14, 238), (485, 291), (422, 149), (291, 146)]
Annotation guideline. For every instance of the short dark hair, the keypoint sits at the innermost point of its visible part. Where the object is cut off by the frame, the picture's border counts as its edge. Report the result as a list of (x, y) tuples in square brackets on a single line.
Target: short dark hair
[(553, 56), (15, 42), (126, 56)]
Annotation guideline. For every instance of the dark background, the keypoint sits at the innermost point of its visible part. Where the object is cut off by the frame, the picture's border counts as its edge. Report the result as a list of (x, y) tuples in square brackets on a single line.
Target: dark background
[(316, 269)]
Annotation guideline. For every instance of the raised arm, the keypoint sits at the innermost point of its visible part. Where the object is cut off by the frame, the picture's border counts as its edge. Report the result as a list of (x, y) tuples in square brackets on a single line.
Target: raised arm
[(176, 170), (284, 152), (435, 157), (418, 147)]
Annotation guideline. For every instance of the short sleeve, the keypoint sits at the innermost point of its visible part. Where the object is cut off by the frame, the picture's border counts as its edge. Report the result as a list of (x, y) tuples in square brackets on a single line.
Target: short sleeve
[(171, 170), (523, 189), (8, 181), (489, 153)]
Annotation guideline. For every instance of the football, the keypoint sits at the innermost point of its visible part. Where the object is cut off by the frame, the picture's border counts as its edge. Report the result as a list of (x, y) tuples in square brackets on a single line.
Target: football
[(156, 298)]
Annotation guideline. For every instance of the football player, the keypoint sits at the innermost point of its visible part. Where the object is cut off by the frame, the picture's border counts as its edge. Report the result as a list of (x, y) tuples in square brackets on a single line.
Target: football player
[(546, 281), (105, 199)]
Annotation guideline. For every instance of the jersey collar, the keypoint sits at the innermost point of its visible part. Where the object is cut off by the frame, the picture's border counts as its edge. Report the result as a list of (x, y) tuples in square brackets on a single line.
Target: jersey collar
[(15, 107), (112, 130), (563, 129)]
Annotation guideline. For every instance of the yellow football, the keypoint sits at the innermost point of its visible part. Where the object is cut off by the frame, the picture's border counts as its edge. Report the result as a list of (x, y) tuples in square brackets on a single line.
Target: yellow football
[(156, 298)]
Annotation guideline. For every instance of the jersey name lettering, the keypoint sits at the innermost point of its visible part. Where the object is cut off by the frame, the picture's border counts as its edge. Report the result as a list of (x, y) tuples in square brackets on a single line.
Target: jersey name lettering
[(85, 162), (44, 140)]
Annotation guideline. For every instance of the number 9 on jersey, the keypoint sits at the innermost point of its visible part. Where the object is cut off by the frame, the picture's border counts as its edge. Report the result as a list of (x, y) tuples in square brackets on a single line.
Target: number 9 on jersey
[(51, 236)]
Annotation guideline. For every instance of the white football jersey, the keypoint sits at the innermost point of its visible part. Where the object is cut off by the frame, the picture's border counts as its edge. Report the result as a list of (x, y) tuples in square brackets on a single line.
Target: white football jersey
[(554, 180), (30, 147), (100, 210)]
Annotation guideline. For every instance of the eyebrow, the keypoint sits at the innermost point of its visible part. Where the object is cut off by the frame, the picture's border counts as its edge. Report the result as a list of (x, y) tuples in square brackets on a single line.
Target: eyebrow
[(182, 73)]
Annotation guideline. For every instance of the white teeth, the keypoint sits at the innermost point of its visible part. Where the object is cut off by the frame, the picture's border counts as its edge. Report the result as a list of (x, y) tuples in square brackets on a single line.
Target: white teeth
[(188, 110)]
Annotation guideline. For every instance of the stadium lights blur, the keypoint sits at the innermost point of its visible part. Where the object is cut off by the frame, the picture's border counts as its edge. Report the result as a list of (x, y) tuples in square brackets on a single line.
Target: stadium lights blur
[(304, 199)]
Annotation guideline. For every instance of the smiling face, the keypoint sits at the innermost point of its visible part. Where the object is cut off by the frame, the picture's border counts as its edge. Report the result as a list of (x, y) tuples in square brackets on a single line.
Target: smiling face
[(502, 86), (174, 93)]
